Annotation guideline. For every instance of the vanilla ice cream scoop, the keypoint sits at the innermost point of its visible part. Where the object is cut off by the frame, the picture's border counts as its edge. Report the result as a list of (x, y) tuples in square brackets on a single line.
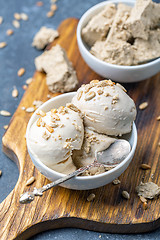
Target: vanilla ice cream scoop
[(106, 107), (54, 135), (93, 142)]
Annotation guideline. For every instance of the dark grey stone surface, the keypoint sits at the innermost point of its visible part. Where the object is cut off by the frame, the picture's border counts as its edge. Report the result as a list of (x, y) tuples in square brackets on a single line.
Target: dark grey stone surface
[(19, 53)]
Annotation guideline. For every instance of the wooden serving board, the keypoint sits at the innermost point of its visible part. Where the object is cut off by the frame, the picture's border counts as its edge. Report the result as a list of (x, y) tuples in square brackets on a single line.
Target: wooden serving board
[(61, 207)]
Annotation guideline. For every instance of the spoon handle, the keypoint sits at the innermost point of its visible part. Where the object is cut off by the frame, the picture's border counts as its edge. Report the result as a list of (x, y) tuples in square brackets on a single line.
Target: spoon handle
[(29, 196), (69, 176)]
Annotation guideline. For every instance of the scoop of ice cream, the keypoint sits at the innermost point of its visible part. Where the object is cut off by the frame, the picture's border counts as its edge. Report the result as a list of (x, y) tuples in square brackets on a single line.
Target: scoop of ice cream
[(67, 166), (92, 142), (54, 135), (106, 107)]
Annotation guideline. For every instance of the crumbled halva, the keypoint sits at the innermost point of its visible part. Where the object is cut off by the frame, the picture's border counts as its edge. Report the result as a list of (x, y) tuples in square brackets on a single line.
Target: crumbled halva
[(60, 75)]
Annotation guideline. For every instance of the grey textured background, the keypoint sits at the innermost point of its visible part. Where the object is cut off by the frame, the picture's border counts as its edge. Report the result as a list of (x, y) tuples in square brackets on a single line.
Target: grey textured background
[(19, 53)]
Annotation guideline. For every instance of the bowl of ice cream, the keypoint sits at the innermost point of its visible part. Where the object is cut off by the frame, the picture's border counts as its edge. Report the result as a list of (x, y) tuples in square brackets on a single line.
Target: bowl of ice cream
[(61, 138), (117, 38)]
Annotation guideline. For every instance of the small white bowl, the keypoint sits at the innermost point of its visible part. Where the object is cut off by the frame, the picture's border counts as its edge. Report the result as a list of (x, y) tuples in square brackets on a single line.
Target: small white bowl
[(114, 72), (81, 182)]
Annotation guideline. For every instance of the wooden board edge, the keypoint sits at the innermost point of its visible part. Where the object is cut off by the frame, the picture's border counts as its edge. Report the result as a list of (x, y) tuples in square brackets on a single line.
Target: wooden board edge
[(72, 222)]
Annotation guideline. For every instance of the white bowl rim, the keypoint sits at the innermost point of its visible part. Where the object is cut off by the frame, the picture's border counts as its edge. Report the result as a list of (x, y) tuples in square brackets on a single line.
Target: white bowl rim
[(79, 38), (80, 178)]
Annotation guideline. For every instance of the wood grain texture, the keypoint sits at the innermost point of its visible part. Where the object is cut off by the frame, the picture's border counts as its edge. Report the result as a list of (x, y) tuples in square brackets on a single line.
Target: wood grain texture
[(61, 207)]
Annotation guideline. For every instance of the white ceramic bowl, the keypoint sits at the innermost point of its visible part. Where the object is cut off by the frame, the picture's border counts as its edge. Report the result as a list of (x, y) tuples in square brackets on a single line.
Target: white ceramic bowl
[(114, 72), (83, 182)]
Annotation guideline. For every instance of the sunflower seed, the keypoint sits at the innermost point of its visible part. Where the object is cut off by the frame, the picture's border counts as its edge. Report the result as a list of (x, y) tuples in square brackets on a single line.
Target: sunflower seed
[(91, 197), (72, 107), (143, 105), (5, 113), (39, 122), (50, 14), (116, 181), (37, 103), (24, 87), (9, 32), (30, 109), (53, 125), (29, 80), (46, 135), (145, 166), (145, 205), (100, 91), (30, 181), (3, 44), (120, 86), (53, 7), (17, 16), (21, 71), (39, 3), (49, 128), (116, 97), (90, 95), (79, 95), (125, 194), (15, 92), (5, 127), (24, 16), (158, 118), (16, 24), (55, 116), (94, 81), (143, 199), (1, 19), (41, 113)]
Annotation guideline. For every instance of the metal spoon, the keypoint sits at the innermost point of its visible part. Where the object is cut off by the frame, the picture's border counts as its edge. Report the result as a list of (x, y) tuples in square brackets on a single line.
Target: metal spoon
[(111, 157)]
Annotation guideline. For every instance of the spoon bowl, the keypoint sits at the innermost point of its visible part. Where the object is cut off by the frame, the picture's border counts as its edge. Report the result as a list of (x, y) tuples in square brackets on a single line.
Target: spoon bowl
[(115, 154)]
